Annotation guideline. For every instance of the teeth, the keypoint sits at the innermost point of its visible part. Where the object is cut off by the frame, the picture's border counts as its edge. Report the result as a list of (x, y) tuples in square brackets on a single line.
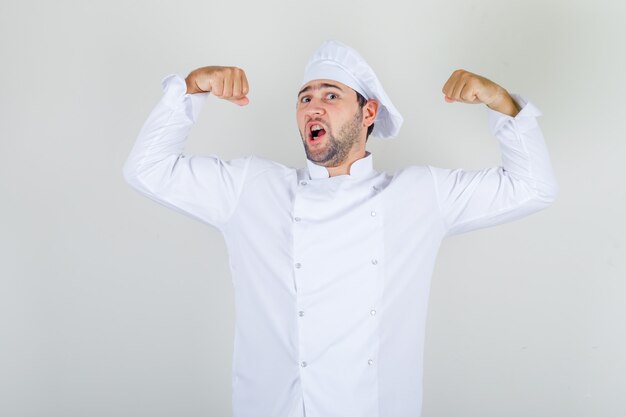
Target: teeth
[(315, 128)]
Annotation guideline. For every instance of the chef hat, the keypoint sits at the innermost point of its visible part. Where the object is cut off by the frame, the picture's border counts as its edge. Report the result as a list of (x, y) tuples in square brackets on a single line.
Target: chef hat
[(336, 61)]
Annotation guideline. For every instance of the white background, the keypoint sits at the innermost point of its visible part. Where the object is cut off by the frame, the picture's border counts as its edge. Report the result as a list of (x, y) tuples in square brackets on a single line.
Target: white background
[(111, 305)]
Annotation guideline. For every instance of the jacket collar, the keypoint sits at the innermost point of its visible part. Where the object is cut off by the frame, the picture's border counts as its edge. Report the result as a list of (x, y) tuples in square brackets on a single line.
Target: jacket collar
[(359, 168)]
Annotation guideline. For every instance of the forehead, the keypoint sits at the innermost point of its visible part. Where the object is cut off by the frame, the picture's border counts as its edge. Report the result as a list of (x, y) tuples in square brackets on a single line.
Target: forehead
[(315, 85)]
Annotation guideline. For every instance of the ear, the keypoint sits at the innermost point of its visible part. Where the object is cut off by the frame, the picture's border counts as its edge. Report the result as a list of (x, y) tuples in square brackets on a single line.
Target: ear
[(370, 110)]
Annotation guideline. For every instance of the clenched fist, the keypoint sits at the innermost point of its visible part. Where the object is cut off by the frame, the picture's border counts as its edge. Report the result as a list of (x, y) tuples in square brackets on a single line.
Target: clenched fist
[(465, 87), (229, 83)]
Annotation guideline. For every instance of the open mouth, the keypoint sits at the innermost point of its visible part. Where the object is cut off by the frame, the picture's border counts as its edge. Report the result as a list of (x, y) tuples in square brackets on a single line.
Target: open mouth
[(316, 132)]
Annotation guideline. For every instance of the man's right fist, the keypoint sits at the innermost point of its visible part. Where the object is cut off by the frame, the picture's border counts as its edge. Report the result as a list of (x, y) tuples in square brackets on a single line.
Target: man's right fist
[(229, 83)]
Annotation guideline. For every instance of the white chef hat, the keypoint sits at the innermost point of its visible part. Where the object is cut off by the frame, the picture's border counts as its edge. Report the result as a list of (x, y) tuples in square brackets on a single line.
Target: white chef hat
[(336, 61)]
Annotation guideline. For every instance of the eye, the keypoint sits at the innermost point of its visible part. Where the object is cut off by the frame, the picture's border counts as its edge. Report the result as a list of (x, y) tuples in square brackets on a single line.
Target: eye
[(305, 99), (331, 96)]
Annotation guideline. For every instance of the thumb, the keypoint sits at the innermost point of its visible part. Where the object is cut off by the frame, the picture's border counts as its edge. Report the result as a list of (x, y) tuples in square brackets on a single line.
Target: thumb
[(242, 101)]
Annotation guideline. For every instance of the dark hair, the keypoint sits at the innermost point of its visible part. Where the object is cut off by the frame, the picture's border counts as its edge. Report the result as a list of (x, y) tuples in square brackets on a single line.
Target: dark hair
[(362, 101)]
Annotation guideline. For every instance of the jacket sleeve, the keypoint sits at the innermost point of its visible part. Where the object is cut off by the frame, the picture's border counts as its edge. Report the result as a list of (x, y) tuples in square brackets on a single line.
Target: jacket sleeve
[(203, 187), (524, 184)]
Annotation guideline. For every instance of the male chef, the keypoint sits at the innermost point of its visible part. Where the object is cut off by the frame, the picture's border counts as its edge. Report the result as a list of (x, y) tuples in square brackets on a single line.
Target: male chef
[(331, 262)]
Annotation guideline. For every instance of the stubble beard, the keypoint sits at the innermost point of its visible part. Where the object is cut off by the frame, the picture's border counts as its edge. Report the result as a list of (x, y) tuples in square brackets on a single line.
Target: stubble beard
[(337, 147)]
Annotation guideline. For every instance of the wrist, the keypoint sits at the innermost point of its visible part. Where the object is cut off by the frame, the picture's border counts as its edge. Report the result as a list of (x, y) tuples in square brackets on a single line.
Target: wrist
[(192, 86), (504, 103), (189, 84)]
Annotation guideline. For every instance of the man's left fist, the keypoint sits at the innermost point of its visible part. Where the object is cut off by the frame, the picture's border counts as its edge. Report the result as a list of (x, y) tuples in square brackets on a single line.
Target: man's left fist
[(466, 87)]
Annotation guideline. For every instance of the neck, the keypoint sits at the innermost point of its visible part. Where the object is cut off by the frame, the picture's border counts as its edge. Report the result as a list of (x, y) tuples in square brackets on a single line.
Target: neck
[(344, 167)]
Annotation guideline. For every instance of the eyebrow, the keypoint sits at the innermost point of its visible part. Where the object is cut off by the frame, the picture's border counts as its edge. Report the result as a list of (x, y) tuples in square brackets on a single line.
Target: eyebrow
[(319, 87)]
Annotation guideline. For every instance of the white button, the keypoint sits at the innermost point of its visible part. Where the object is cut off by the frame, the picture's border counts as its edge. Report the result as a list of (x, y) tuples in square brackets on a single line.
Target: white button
[(374, 261), (370, 362), (298, 265), (373, 213), (303, 183), (373, 312), (297, 219), (301, 313), (303, 364)]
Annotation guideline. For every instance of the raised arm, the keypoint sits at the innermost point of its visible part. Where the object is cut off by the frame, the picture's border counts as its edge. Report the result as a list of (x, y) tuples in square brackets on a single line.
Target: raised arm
[(204, 187), (523, 184)]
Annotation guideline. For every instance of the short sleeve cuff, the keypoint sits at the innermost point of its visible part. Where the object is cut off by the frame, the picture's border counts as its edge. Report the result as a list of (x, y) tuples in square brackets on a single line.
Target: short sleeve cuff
[(175, 96), (524, 121)]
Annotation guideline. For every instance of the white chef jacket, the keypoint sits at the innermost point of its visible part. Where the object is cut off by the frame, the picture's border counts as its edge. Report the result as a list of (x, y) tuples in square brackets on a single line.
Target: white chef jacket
[(332, 274)]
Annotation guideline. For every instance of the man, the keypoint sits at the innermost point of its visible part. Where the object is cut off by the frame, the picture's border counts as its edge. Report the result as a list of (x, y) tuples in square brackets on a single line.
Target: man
[(331, 263)]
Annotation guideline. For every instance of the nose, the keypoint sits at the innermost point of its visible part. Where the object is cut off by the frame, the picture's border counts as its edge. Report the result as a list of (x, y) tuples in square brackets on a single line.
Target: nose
[(315, 107)]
